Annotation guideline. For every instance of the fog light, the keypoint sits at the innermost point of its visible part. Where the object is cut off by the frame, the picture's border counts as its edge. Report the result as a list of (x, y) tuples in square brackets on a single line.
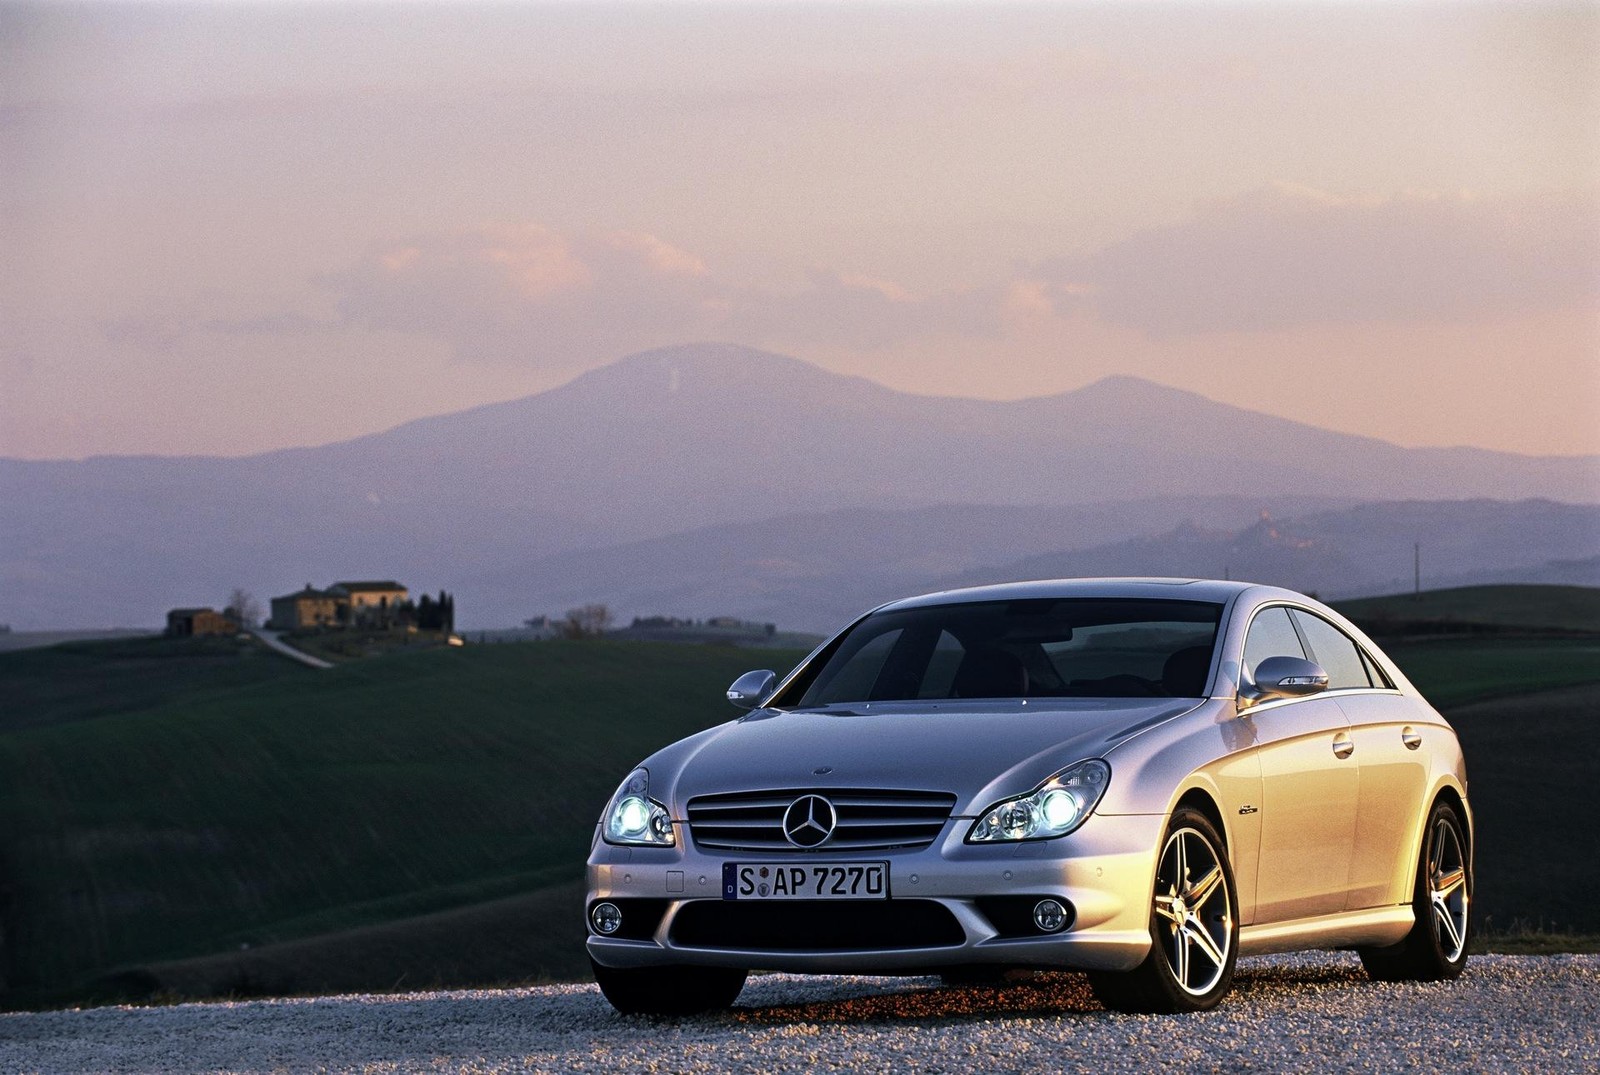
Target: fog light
[(607, 918), (1048, 915)]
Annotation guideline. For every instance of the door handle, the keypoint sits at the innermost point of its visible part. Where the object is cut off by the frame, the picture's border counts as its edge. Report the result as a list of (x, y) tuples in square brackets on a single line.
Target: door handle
[(1343, 745), (1410, 738)]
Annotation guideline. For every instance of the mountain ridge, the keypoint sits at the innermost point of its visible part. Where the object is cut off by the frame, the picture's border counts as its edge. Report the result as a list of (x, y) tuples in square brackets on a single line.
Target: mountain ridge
[(665, 442)]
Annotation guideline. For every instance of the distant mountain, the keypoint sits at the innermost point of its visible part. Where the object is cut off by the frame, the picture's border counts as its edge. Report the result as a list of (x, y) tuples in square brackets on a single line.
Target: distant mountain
[(814, 572), (656, 444), (1349, 552)]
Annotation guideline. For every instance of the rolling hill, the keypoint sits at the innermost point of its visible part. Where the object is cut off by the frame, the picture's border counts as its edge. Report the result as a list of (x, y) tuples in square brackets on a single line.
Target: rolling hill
[(815, 571), (181, 806), (250, 800)]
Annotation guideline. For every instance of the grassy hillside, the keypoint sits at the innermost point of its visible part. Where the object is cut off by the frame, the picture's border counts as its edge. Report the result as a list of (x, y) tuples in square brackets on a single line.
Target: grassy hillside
[(198, 817), (1530, 771), (421, 818), (1450, 672), (85, 680), (1480, 609)]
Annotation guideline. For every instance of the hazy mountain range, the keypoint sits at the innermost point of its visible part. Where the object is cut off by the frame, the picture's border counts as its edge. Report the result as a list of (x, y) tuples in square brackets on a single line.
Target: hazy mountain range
[(716, 479)]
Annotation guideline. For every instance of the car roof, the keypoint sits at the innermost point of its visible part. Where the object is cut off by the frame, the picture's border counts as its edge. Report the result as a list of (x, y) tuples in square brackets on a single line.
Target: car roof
[(1211, 590)]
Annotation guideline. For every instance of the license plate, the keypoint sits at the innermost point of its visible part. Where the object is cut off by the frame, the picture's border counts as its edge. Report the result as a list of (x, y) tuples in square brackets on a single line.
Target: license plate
[(812, 881)]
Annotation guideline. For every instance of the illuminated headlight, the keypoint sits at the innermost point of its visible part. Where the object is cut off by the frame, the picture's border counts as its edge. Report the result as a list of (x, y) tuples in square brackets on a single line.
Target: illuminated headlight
[(1054, 808), (632, 817)]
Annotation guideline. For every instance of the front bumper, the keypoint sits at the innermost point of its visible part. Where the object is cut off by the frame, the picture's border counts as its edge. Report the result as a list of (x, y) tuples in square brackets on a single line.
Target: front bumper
[(1104, 872)]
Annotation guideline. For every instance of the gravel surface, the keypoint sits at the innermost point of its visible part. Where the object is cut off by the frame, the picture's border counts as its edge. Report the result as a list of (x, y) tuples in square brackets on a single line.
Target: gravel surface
[(1311, 1012)]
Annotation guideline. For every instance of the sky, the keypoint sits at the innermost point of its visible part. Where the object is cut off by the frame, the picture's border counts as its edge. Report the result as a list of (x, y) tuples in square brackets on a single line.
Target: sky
[(229, 228)]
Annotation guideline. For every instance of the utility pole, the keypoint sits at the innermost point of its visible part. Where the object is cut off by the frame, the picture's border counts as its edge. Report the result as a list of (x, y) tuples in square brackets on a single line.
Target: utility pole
[(1416, 571)]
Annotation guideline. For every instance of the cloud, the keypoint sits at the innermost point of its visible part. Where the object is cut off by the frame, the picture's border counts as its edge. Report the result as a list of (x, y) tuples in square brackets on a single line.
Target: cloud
[(523, 292), (1285, 256), (1272, 259)]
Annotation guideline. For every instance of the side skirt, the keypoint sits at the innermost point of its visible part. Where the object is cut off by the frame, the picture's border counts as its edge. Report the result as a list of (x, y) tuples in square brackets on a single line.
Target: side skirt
[(1375, 927)]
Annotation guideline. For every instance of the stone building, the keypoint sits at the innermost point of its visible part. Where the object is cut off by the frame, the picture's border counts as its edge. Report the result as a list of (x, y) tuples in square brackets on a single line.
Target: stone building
[(370, 603), (309, 607), (344, 604), (185, 622)]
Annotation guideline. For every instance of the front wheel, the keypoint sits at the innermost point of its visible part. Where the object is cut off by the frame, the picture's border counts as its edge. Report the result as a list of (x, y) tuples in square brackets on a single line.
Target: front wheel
[(668, 990), (1436, 947), (1192, 925)]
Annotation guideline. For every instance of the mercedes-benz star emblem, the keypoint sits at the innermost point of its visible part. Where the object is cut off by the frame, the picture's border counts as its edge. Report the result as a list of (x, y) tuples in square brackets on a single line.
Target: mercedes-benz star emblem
[(809, 821)]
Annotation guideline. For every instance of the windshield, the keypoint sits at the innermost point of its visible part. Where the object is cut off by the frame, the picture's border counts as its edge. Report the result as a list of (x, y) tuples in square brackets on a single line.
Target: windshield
[(1044, 648)]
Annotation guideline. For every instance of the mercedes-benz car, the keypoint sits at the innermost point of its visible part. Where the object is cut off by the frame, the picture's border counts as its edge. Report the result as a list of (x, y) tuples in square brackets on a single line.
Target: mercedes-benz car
[(1144, 779)]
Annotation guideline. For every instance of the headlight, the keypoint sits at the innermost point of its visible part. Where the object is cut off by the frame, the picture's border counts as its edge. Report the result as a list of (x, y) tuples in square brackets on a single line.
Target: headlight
[(1054, 808), (632, 817)]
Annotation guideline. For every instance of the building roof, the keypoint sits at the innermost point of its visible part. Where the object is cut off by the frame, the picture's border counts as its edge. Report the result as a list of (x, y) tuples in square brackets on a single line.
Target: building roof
[(368, 586), (189, 611), (309, 591)]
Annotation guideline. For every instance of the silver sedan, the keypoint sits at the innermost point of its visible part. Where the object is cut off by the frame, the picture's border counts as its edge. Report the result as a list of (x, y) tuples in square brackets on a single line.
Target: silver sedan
[(1139, 778)]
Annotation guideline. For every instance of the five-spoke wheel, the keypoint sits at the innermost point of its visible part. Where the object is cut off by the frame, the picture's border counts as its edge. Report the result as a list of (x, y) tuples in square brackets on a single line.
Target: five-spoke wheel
[(1194, 912), (1436, 947), (1192, 923), (1447, 888)]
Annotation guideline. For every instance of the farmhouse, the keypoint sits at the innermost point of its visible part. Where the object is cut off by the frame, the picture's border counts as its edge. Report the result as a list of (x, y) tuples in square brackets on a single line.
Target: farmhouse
[(344, 604), (309, 607), (370, 603), (184, 622)]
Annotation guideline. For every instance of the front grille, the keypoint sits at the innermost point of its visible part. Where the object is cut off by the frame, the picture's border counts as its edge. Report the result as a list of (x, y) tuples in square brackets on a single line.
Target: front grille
[(868, 819), (817, 925)]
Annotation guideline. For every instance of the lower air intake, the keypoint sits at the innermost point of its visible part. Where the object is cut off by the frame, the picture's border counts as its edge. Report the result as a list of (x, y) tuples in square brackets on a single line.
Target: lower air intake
[(841, 925)]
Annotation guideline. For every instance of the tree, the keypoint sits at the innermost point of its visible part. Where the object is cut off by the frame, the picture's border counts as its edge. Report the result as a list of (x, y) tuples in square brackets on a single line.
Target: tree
[(590, 621), (243, 609)]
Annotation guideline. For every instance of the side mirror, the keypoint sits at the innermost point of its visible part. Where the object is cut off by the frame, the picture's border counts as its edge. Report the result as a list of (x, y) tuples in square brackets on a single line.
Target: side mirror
[(749, 689), (1285, 677)]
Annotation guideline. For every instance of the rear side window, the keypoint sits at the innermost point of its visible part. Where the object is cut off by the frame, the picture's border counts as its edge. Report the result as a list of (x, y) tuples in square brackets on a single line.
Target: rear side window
[(1334, 651), (1271, 635), (1379, 677)]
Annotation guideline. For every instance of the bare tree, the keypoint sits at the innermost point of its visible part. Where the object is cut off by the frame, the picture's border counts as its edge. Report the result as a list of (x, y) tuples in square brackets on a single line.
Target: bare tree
[(590, 621), (243, 609)]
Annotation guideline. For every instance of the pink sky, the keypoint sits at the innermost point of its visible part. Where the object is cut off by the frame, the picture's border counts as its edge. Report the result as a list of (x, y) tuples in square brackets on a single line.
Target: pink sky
[(230, 228)]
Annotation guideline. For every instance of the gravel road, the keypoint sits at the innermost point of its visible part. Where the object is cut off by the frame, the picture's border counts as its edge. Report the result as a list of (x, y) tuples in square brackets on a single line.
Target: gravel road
[(1314, 1012)]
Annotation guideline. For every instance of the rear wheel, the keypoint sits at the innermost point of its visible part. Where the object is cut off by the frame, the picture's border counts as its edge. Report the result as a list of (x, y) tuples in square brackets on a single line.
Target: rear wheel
[(1192, 925), (668, 990), (1436, 947)]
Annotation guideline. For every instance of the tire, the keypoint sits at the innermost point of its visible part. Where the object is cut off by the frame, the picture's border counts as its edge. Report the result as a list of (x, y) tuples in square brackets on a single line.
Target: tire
[(1436, 947), (668, 990), (1193, 928)]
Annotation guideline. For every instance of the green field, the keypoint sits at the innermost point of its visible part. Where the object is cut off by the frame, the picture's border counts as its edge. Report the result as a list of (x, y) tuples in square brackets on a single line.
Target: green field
[(236, 805), (1530, 773), (1480, 609), (1450, 673), (203, 817)]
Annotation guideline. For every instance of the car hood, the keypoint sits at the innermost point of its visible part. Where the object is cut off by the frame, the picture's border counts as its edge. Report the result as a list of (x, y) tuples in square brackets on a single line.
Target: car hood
[(978, 751)]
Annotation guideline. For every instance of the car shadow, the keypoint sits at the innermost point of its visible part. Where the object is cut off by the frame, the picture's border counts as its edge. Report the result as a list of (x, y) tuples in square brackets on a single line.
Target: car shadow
[(1022, 995)]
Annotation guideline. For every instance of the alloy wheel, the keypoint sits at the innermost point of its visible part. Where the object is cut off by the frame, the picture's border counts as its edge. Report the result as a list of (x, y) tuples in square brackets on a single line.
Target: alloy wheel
[(1193, 911), (1447, 889)]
